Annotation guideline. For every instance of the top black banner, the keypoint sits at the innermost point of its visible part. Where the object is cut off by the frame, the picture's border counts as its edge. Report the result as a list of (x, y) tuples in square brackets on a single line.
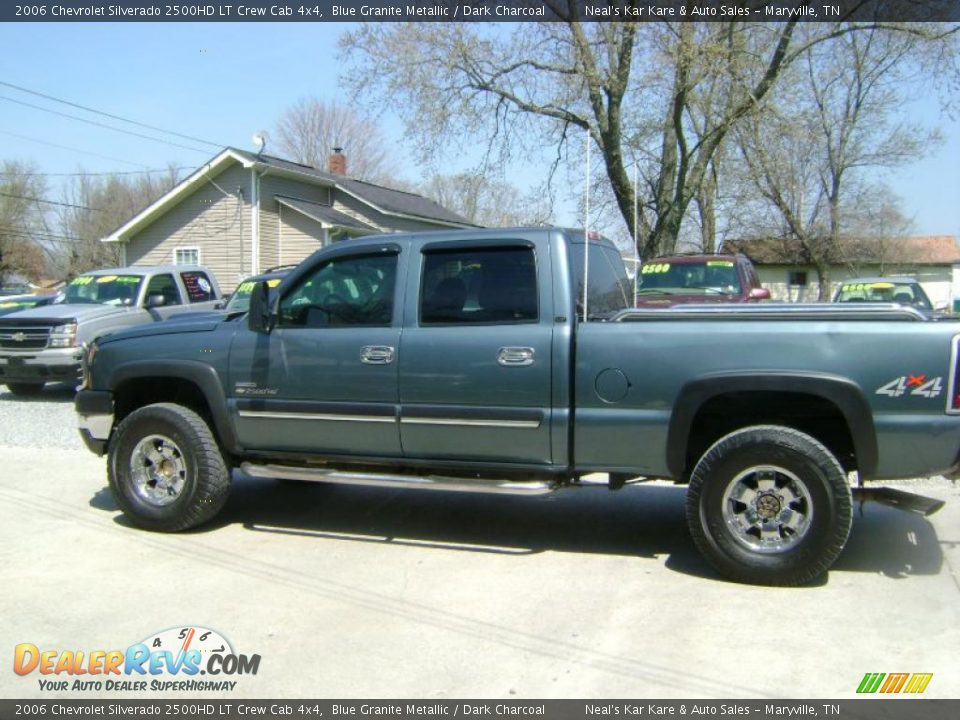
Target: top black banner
[(483, 11)]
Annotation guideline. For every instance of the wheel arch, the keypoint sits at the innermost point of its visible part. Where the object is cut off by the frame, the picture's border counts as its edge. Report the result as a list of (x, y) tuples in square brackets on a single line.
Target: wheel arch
[(195, 385), (827, 393)]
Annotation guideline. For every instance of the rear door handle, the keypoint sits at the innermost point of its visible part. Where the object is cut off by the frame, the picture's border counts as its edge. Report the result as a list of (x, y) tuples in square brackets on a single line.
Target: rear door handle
[(377, 354), (515, 356)]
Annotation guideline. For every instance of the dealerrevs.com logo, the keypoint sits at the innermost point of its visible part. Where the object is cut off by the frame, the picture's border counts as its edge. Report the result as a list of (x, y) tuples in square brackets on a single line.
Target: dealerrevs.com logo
[(187, 659)]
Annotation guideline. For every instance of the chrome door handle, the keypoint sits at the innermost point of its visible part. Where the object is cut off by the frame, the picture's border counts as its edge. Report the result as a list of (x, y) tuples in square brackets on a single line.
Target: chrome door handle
[(515, 356), (377, 354)]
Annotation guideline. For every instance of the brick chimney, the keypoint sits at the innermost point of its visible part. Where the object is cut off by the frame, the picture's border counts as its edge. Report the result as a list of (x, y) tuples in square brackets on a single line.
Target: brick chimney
[(338, 162)]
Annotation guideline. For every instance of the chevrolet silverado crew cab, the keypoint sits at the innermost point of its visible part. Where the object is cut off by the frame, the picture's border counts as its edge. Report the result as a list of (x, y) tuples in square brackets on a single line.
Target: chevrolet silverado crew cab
[(45, 344), (481, 361)]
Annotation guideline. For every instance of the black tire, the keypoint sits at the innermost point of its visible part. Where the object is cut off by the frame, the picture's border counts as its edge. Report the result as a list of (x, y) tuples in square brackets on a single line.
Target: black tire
[(790, 527), (186, 488), (25, 389)]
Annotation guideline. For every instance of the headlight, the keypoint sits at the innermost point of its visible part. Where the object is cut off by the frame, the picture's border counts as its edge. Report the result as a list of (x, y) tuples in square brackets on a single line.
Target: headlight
[(86, 366), (64, 336)]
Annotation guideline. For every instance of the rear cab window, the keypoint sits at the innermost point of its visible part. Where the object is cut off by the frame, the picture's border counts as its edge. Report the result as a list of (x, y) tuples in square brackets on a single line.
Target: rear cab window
[(608, 288), (198, 285), (482, 285)]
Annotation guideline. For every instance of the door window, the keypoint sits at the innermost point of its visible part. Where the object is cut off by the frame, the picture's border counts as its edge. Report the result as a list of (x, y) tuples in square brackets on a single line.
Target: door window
[(344, 292), (493, 285), (166, 286)]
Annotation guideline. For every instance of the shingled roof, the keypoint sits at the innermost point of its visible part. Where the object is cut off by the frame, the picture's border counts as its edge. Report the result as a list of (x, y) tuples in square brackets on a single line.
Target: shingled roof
[(913, 250), (381, 197)]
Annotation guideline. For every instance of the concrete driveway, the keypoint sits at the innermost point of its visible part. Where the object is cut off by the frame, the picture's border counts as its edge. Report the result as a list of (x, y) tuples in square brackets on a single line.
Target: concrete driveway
[(363, 593)]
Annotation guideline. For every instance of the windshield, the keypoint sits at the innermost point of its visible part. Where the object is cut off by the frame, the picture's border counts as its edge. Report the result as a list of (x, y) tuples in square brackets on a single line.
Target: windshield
[(718, 277), (102, 290), (884, 291), (240, 300)]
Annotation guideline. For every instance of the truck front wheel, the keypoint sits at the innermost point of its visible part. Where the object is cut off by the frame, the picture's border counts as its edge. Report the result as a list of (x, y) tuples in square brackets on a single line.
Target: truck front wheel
[(769, 505), (165, 469)]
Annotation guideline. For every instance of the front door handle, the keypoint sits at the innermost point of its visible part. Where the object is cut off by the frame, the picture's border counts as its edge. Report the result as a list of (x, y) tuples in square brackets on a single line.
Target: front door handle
[(377, 354), (515, 356)]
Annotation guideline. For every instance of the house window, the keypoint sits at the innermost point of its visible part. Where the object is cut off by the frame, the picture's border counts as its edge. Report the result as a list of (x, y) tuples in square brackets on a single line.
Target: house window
[(186, 256), (797, 277)]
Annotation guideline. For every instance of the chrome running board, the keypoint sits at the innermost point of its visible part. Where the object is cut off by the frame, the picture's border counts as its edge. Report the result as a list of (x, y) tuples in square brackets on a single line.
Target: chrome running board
[(388, 480)]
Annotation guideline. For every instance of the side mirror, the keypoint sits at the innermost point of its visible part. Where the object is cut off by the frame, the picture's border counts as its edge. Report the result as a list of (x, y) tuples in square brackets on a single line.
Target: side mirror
[(154, 301), (759, 294), (259, 316)]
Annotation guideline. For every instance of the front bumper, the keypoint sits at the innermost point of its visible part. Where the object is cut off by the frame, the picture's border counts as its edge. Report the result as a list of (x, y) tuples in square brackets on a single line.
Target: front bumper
[(95, 412), (50, 365)]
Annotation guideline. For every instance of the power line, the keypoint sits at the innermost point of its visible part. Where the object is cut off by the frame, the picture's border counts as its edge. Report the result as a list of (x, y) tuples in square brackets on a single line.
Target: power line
[(91, 174), (40, 233), (72, 149), (49, 202), (109, 115), (98, 124)]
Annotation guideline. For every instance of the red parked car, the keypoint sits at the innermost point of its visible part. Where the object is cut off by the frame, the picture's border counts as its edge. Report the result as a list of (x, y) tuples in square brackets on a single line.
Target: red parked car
[(680, 279)]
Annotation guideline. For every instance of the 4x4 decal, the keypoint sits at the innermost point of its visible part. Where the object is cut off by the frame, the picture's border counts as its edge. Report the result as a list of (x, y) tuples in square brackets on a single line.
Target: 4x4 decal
[(913, 385)]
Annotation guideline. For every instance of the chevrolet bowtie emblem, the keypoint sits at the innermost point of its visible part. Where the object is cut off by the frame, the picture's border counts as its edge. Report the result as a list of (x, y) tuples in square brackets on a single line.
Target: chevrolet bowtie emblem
[(18, 337)]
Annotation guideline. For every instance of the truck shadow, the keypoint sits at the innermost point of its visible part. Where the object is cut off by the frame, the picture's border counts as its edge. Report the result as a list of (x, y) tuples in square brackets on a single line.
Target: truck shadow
[(54, 392), (645, 521)]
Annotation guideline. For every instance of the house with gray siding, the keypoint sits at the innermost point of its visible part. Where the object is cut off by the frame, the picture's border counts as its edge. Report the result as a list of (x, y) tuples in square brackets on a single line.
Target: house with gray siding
[(242, 213)]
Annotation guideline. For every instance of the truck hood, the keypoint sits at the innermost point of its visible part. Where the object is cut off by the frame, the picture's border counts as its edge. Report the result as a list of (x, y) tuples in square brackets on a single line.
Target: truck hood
[(200, 324), (80, 313)]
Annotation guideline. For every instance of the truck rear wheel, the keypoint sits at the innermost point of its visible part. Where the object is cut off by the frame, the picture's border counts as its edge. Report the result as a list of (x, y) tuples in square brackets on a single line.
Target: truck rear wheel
[(769, 505), (25, 388), (165, 469)]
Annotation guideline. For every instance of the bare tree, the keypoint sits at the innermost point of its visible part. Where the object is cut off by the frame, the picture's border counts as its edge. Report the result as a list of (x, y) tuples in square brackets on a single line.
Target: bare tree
[(487, 202), (21, 221), (835, 120), (94, 206), (308, 131), (663, 96)]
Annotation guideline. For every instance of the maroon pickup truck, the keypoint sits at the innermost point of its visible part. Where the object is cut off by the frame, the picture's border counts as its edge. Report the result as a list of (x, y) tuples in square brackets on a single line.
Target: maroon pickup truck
[(680, 279)]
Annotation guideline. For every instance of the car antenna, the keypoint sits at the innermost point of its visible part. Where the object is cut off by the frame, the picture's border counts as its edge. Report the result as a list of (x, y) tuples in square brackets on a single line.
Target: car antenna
[(586, 231)]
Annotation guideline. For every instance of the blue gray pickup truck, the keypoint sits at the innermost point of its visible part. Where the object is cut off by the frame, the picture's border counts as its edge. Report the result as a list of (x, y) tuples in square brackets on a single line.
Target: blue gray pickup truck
[(476, 361)]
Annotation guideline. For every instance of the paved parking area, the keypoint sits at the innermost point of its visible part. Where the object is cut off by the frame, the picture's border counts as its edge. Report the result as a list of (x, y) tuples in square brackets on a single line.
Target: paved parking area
[(364, 593)]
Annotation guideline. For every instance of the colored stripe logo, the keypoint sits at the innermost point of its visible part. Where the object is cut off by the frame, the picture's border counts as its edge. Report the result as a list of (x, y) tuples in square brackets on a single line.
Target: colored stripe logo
[(912, 683)]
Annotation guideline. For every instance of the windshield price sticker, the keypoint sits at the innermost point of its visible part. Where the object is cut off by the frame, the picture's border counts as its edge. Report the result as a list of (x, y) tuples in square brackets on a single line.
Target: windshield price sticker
[(655, 269), (82, 280), (867, 286), (719, 263)]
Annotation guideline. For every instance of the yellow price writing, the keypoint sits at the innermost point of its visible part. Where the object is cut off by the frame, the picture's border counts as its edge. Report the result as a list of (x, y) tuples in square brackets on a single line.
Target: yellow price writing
[(655, 268)]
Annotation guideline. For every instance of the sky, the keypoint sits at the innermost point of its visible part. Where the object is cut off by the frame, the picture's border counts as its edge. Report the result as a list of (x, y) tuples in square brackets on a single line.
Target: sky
[(224, 82)]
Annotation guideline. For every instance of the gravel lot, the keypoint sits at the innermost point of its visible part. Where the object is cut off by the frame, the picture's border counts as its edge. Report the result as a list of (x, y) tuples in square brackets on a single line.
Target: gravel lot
[(44, 421), (370, 593)]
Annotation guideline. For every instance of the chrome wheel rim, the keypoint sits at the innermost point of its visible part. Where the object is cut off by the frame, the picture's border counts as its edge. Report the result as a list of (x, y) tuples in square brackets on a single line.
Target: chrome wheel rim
[(767, 509), (158, 470)]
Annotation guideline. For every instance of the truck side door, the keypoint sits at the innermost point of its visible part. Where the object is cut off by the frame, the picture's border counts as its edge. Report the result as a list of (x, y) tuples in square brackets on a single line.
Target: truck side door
[(475, 357), (324, 381)]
